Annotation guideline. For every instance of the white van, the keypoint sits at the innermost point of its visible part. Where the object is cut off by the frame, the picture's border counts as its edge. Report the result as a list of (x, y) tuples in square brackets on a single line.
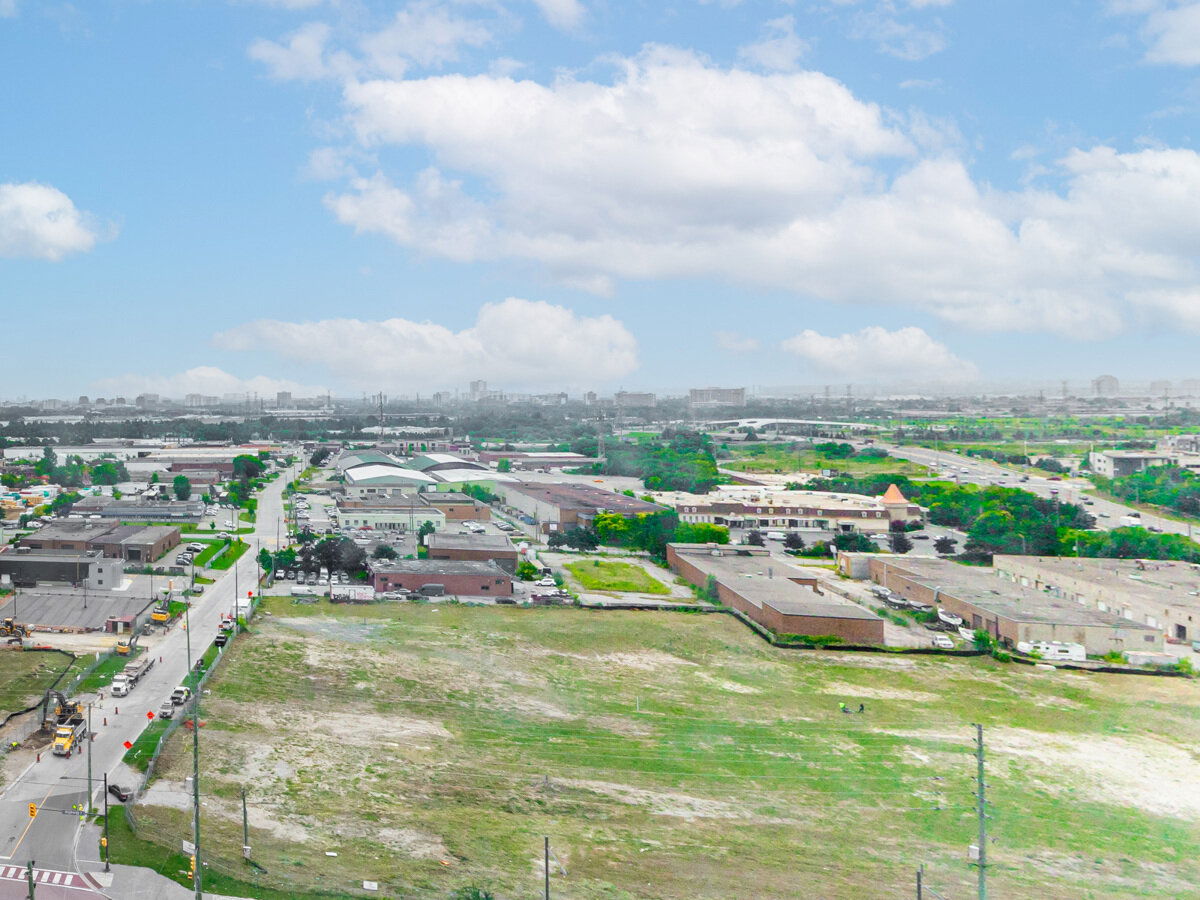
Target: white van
[(776, 536)]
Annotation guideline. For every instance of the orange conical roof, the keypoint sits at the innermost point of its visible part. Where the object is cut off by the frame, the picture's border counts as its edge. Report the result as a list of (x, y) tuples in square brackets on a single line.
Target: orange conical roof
[(893, 495)]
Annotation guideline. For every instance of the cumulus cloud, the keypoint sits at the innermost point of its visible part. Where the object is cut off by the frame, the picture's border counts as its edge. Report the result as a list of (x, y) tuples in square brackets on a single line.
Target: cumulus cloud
[(207, 380), (565, 14), (426, 34), (780, 180), (874, 352), (300, 57), (521, 343), (736, 343), (1173, 35), (779, 49), (41, 222), (903, 40)]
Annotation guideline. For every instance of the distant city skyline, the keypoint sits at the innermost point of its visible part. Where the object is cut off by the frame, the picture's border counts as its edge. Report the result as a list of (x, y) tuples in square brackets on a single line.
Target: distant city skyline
[(311, 196)]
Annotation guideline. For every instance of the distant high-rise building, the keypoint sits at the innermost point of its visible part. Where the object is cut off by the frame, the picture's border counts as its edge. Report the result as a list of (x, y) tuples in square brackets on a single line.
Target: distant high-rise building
[(120, 401), (714, 396), (629, 399), (283, 398), (144, 400), (590, 398), (1160, 388), (1106, 386), (84, 401), (1190, 387)]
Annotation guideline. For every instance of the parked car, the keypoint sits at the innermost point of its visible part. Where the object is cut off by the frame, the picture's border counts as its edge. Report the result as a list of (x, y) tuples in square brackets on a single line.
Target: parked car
[(545, 582), (181, 695), (194, 548), (167, 710), (943, 643), (121, 793)]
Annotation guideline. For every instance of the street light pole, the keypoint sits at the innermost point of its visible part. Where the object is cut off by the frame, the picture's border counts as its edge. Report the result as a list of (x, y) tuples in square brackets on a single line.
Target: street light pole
[(196, 877)]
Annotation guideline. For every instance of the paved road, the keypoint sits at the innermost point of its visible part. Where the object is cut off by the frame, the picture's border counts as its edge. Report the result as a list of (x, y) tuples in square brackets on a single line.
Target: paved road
[(1069, 490), (56, 784)]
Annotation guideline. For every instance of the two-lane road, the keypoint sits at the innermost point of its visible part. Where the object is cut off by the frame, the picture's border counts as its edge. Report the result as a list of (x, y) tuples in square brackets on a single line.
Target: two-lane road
[(58, 784)]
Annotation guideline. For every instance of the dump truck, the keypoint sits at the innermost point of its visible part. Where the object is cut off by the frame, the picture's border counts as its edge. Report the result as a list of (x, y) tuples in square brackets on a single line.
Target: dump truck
[(62, 710), (69, 734), (124, 681)]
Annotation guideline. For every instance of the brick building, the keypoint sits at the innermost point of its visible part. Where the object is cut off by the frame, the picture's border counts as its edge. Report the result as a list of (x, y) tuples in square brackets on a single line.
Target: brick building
[(457, 577), (773, 593), (483, 547)]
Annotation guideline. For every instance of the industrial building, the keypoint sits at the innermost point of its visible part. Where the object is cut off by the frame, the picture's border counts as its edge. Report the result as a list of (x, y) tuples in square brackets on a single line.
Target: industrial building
[(773, 593), (527, 461), (483, 547), (24, 567), (141, 510), (555, 506), (457, 507), (747, 506), (399, 512), (379, 479), (470, 578), (1010, 611), (1159, 594), (136, 543)]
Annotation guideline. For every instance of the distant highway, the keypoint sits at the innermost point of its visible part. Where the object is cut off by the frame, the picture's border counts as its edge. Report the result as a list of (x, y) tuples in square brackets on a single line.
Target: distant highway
[(1070, 490)]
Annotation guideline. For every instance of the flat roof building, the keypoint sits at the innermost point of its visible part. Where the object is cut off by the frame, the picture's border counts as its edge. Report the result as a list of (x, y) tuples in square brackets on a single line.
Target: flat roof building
[(560, 505), (28, 568), (773, 593), (1009, 611), (458, 577), (752, 506), (482, 547), (1159, 594)]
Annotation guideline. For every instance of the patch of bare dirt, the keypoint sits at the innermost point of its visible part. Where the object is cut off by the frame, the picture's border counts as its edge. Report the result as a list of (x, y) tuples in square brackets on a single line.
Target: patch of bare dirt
[(724, 684), (875, 693), (670, 803)]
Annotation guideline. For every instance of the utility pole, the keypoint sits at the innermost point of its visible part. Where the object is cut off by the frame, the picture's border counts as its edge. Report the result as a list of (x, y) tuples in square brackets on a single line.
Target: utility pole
[(981, 796), (546, 865), (106, 869), (89, 754), (29, 875), (196, 878), (245, 828)]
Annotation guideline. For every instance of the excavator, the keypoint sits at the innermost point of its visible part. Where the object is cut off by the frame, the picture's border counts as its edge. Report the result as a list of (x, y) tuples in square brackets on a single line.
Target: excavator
[(63, 712), (126, 645), (15, 632)]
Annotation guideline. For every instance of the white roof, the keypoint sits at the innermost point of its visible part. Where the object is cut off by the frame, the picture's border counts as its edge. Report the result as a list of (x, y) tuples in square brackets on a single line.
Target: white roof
[(443, 458), (453, 475), (379, 471)]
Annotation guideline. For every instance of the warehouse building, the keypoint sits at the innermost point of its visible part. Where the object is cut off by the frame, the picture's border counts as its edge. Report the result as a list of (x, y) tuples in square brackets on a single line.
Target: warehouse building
[(381, 480), (469, 578), (23, 567), (556, 506), (1009, 611), (483, 547), (773, 593), (1160, 594), (136, 543)]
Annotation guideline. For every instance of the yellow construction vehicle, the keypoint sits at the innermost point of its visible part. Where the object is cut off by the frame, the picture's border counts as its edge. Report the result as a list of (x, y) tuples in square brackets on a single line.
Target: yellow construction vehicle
[(161, 614), (126, 645), (14, 631)]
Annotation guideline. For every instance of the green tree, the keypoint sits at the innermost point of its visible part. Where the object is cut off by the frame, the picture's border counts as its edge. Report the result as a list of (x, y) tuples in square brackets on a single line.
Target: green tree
[(527, 571), (944, 545), (154, 478), (856, 542), (424, 531), (504, 465), (899, 542), (792, 541), (700, 533), (182, 487), (265, 560), (384, 551), (755, 538)]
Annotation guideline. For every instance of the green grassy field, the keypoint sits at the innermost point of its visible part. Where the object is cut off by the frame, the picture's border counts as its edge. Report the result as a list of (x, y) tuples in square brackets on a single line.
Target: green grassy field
[(25, 675), (780, 460), (604, 575), (671, 756), (231, 555)]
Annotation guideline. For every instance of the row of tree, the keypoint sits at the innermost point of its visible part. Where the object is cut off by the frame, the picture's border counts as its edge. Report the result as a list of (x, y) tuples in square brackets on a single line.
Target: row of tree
[(1171, 487)]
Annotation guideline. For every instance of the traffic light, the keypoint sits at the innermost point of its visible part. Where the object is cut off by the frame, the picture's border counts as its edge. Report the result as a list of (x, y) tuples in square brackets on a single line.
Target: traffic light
[(192, 866), (33, 810)]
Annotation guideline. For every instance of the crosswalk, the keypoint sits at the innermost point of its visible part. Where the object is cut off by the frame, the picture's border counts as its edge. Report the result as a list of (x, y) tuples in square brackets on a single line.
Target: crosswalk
[(47, 877)]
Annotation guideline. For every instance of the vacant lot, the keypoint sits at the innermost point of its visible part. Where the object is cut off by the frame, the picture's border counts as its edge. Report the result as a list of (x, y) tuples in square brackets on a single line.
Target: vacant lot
[(671, 756), (603, 575)]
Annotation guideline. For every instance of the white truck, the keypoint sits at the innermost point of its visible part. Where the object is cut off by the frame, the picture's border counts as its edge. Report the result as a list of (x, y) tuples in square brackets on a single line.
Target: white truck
[(124, 681), (1131, 521)]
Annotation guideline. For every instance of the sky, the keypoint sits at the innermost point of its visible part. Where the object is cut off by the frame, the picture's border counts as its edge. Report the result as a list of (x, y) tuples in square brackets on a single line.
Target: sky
[(245, 196)]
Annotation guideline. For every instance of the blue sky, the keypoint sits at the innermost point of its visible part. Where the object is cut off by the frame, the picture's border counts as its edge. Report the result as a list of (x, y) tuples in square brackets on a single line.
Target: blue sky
[(248, 196)]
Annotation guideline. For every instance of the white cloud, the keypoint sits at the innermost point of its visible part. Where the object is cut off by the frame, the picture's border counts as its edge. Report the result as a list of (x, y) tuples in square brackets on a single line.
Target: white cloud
[(424, 33), (925, 4), (519, 343), (1173, 35), (201, 380), (736, 343), (565, 14), (8, 9), (907, 353), (41, 222), (301, 58), (779, 49), (903, 40), (777, 180)]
